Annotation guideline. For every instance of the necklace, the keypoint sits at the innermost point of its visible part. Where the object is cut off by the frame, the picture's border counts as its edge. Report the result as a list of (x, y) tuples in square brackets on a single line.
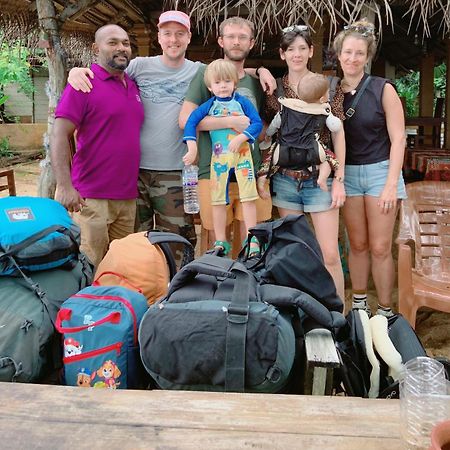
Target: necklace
[(351, 87)]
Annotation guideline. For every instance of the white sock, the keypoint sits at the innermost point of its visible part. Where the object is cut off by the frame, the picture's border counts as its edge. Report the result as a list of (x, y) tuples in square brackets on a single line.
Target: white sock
[(385, 311), (359, 301)]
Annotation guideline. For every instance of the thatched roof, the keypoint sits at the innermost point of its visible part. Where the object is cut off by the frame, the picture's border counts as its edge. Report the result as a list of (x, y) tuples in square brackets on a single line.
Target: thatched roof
[(21, 25), (423, 16), (417, 19)]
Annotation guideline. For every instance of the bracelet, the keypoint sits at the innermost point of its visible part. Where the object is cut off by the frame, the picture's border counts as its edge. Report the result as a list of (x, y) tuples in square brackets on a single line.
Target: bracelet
[(340, 179), (257, 70)]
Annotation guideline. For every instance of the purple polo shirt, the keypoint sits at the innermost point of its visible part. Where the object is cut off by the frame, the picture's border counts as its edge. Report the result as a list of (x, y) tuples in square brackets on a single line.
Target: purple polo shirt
[(108, 122)]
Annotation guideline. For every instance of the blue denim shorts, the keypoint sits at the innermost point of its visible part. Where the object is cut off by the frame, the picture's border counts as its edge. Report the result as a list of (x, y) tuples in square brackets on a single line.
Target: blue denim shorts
[(369, 179), (308, 198)]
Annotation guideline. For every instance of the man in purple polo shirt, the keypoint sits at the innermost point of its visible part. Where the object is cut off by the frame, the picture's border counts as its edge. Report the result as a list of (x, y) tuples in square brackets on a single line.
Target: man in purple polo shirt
[(100, 185)]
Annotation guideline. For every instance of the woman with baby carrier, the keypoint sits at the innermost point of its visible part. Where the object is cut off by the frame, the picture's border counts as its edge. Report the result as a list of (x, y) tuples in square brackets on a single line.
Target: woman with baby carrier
[(296, 191)]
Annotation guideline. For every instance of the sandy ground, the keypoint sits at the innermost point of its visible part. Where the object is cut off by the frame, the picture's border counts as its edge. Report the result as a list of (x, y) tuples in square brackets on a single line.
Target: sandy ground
[(432, 327), (27, 177)]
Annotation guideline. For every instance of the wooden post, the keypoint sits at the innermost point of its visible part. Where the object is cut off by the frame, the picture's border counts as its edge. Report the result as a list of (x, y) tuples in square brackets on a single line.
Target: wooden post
[(447, 98), (317, 60), (426, 93), (56, 58), (50, 26), (143, 39)]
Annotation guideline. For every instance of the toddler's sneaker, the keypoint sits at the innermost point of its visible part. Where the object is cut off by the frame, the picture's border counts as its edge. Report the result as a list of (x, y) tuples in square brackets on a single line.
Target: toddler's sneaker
[(222, 248)]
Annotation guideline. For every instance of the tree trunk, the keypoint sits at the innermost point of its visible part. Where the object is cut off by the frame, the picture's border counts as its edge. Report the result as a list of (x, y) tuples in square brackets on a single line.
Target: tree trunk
[(56, 58)]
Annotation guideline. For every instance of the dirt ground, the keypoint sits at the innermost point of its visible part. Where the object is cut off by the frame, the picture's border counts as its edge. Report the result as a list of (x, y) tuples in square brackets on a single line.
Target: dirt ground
[(432, 327)]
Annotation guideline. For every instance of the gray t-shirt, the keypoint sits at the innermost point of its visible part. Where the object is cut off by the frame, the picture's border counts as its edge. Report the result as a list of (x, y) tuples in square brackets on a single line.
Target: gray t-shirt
[(162, 91)]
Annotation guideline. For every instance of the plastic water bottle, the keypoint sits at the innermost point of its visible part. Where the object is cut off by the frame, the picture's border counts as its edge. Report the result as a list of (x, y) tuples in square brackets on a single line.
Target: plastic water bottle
[(190, 193), (422, 400)]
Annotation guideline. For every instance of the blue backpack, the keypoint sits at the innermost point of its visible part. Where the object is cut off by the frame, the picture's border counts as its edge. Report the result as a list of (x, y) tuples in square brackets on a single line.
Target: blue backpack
[(36, 234), (100, 334)]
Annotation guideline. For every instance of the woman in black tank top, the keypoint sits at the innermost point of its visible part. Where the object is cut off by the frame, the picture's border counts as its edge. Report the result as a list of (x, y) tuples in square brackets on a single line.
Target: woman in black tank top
[(375, 143)]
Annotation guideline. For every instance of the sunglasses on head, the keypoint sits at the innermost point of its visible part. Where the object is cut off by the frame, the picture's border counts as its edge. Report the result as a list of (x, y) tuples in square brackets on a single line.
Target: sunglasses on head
[(361, 29), (299, 28)]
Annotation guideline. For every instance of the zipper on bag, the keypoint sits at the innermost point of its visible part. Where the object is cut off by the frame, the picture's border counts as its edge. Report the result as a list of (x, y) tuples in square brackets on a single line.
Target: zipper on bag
[(92, 353)]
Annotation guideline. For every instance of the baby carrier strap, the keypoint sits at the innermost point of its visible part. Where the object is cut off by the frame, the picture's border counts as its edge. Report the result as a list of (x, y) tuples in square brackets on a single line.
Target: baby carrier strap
[(280, 88)]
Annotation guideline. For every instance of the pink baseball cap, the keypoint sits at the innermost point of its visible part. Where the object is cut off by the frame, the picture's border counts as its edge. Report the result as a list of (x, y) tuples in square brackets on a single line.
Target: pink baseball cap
[(175, 16)]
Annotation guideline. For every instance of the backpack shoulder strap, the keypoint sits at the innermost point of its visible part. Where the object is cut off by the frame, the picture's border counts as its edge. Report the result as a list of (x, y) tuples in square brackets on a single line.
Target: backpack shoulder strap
[(350, 111)]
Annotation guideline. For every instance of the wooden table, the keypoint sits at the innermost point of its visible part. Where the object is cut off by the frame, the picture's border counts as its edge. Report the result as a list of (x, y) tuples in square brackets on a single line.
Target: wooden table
[(58, 417)]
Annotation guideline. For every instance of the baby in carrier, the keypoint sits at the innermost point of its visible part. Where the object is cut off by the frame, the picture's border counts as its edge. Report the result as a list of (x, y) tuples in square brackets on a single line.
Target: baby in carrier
[(300, 125)]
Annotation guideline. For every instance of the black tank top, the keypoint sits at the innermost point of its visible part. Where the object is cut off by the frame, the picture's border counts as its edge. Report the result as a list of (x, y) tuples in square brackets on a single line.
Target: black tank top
[(366, 135)]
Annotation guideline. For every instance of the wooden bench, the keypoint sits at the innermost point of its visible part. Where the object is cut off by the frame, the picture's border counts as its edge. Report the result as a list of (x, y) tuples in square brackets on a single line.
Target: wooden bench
[(60, 417), (321, 360)]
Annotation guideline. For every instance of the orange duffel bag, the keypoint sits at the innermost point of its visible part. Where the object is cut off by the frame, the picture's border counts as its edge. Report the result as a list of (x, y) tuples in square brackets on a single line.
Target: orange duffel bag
[(143, 261)]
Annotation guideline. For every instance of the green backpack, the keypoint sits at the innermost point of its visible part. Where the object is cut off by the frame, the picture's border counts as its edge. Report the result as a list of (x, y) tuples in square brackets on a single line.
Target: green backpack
[(28, 308)]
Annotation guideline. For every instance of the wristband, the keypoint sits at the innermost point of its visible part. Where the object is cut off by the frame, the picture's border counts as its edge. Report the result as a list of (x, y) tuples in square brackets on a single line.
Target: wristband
[(257, 70), (340, 179)]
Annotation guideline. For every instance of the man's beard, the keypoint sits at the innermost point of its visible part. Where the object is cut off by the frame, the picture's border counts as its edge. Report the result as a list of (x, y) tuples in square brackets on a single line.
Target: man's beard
[(114, 65), (233, 57)]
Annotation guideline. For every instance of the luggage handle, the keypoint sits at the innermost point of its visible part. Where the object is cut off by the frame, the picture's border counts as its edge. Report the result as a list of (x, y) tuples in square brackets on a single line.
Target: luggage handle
[(215, 266), (118, 275), (156, 237), (66, 314), (162, 239), (206, 265)]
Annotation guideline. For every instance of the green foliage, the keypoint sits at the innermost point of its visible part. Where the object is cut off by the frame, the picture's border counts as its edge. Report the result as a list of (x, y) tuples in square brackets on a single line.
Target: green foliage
[(408, 87), (15, 68), (439, 80), (3, 99), (5, 150)]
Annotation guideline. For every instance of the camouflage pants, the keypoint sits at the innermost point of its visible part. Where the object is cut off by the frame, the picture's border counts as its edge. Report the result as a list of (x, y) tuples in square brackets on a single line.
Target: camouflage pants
[(160, 204)]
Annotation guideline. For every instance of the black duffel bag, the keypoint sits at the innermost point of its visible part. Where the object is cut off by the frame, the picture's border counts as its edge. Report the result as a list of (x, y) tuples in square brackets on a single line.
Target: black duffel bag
[(212, 333), (219, 330)]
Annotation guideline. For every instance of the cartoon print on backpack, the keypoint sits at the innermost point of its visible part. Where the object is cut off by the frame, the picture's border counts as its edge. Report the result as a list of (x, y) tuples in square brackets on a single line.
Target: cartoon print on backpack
[(72, 347), (100, 326), (84, 378), (110, 372)]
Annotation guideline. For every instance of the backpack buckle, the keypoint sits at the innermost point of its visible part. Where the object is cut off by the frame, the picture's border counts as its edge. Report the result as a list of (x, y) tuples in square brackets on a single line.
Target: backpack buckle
[(349, 113), (237, 313)]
